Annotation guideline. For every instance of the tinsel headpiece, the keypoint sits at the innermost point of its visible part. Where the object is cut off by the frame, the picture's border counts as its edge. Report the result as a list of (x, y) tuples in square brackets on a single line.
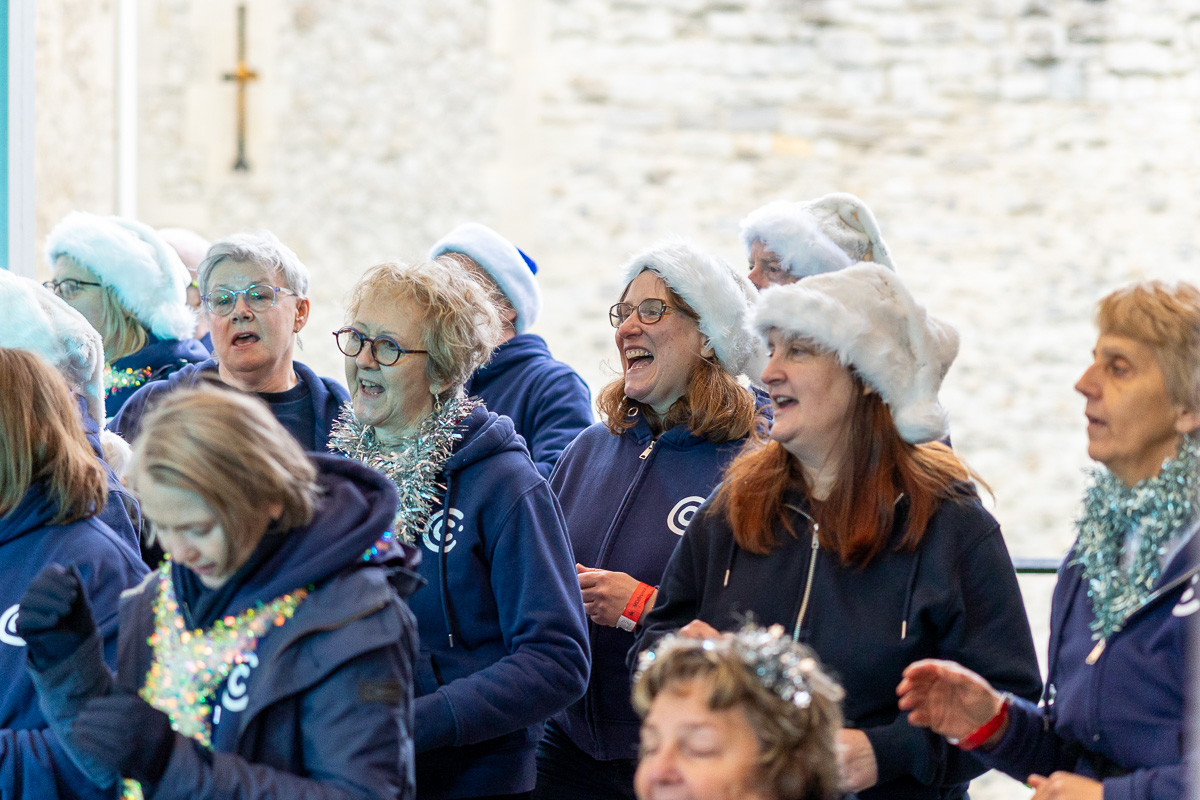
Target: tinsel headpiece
[(788, 670)]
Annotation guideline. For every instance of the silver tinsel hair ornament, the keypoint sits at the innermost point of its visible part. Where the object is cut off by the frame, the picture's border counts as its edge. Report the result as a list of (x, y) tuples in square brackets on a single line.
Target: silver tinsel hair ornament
[(788, 670)]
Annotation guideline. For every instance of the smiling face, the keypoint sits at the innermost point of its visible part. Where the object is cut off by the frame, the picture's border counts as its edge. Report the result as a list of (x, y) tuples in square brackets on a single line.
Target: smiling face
[(254, 348), (658, 359), (396, 398), (90, 300), (191, 534), (690, 752), (766, 268), (1133, 426), (812, 397)]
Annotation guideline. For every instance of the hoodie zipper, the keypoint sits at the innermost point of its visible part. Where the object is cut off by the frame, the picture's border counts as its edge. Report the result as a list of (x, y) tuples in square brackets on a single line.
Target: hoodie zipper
[(812, 567), (646, 453), (1098, 650)]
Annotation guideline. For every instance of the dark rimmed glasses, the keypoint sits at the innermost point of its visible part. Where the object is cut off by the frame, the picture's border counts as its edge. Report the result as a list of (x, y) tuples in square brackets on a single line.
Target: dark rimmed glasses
[(649, 311), (384, 349), (259, 297), (69, 288)]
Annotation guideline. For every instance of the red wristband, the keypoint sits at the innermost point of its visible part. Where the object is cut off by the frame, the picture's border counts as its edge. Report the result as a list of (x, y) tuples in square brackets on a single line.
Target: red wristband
[(637, 603), (985, 731)]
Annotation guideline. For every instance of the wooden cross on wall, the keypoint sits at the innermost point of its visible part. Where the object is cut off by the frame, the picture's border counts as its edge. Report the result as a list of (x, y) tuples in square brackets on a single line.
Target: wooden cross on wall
[(243, 75)]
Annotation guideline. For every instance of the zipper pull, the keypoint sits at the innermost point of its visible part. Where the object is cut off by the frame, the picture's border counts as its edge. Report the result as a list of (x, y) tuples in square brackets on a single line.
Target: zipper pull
[(1094, 656), (646, 452)]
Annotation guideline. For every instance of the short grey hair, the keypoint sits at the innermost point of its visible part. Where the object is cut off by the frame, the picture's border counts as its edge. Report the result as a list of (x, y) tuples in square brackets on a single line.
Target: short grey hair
[(261, 248)]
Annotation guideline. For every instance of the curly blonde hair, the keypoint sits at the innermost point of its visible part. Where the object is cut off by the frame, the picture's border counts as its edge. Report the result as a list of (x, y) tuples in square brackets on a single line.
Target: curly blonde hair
[(462, 327)]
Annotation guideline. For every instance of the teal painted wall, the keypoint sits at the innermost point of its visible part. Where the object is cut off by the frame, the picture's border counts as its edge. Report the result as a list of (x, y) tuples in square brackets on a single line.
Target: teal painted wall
[(4, 134)]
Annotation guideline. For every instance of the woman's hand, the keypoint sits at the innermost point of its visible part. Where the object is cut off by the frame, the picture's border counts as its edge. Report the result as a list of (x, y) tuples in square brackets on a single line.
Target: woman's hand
[(55, 618), (856, 761), (699, 629), (1065, 786), (606, 593), (948, 698)]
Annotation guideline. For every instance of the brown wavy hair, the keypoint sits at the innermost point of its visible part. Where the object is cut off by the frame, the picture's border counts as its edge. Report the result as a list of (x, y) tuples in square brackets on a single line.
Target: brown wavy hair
[(857, 518), (42, 440), (715, 407)]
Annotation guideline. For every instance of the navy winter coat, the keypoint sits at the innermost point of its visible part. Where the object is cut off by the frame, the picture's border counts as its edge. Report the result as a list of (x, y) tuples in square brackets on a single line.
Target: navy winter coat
[(322, 708), (325, 394), (547, 401), (955, 597), (32, 761), (1114, 710), (627, 500), (162, 357), (503, 642)]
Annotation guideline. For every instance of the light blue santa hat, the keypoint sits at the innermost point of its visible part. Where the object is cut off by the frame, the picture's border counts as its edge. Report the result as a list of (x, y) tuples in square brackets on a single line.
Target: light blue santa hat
[(130, 258), (818, 236), (503, 261), (33, 318)]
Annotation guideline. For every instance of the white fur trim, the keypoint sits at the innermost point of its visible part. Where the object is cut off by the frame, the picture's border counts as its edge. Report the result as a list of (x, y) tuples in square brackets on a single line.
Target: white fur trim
[(848, 221), (721, 295), (500, 259), (117, 452), (134, 261), (790, 231), (33, 318), (867, 317)]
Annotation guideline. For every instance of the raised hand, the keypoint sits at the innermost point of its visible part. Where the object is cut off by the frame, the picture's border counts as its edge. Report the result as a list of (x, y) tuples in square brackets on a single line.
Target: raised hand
[(947, 697), (55, 618)]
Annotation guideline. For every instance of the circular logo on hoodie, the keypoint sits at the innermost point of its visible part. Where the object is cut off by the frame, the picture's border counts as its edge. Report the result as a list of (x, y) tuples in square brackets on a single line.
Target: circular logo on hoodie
[(8, 627), (435, 530), (236, 695), (682, 514), (1189, 603)]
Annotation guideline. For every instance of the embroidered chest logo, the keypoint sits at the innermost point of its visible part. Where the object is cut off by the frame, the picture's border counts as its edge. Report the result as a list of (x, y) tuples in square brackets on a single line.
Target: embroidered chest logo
[(438, 528), (8, 627), (682, 514), (236, 695), (1189, 602)]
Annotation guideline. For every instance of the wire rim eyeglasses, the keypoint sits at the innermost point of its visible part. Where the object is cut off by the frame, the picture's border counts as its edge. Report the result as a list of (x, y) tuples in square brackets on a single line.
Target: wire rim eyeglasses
[(649, 311), (384, 349), (69, 288), (259, 297)]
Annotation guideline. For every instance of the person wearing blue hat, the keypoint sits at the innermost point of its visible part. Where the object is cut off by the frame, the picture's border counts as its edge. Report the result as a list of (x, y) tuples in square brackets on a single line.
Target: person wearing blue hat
[(547, 401)]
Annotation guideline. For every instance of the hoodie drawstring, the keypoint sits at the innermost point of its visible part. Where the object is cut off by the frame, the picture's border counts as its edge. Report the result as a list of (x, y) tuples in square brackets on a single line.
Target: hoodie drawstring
[(447, 607)]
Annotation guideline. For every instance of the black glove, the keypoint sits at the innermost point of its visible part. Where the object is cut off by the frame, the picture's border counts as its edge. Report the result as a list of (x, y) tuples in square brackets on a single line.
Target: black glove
[(55, 618), (126, 732)]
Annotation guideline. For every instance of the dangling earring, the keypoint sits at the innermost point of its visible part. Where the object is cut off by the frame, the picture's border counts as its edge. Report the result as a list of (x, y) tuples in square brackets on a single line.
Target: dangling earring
[(438, 402), (299, 341)]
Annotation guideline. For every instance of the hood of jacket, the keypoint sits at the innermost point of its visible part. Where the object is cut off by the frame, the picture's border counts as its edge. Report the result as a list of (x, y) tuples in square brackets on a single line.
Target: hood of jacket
[(484, 434), (510, 355)]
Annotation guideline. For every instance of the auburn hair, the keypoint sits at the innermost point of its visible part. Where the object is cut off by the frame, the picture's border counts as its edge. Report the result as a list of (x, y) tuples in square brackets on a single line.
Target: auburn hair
[(42, 441), (857, 518), (714, 407)]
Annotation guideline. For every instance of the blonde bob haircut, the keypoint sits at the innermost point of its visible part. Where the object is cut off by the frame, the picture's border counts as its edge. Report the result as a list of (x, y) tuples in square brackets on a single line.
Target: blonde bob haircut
[(42, 441), (123, 334), (461, 326), (228, 449), (1165, 316), (797, 746)]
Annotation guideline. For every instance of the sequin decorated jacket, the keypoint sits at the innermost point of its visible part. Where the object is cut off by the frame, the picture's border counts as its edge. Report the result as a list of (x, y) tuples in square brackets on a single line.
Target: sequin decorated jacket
[(954, 597), (321, 709), (32, 760), (1115, 709)]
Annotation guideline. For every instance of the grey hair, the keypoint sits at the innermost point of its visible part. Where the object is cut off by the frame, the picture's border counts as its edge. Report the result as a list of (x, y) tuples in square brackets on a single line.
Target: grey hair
[(261, 248)]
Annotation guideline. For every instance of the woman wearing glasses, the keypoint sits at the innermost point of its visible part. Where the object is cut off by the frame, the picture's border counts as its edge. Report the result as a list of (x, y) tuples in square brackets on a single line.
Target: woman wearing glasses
[(629, 486), (132, 288), (503, 642), (254, 291)]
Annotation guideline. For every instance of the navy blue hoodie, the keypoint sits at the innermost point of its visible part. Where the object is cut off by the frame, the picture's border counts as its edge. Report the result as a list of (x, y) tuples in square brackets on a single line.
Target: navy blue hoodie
[(116, 513), (322, 707), (162, 357), (627, 500), (1115, 712), (31, 758), (311, 428), (955, 597), (547, 401), (503, 642)]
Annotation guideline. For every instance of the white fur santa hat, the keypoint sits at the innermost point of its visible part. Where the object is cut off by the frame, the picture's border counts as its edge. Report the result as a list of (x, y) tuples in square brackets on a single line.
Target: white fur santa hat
[(870, 321), (133, 260), (722, 296), (801, 234), (503, 261), (33, 318)]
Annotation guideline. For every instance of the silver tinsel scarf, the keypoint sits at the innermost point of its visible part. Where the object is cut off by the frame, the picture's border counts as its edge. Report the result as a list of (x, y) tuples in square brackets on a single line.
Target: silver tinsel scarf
[(1161, 507), (412, 465)]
